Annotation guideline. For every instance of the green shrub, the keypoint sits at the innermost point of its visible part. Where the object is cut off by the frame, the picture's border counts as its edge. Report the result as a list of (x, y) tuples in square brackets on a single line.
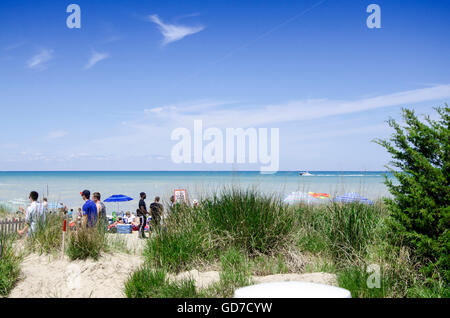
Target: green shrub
[(9, 264), (420, 206), (149, 283)]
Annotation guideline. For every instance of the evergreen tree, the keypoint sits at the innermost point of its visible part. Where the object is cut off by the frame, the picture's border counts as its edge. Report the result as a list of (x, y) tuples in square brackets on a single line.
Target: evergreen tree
[(420, 207)]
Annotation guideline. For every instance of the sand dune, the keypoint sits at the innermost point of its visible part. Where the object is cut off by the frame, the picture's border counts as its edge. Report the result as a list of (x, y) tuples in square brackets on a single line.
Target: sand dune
[(46, 276)]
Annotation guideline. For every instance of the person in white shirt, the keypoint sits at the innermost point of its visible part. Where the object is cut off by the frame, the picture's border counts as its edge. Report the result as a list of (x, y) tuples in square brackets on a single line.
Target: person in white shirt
[(129, 218), (34, 214)]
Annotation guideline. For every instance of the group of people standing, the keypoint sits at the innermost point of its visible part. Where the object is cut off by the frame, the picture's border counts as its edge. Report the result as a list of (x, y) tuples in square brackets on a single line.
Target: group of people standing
[(92, 212), (95, 209), (156, 211)]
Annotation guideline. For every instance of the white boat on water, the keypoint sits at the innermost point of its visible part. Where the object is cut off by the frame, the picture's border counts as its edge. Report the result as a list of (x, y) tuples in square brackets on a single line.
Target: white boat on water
[(305, 174)]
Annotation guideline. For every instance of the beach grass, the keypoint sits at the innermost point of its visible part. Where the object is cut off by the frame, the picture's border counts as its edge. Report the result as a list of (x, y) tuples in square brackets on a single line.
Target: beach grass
[(248, 233), (116, 243), (352, 240), (235, 272), (262, 265), (9, 264), (80, 243), (344, 231), (47, 238), (154, 283), (254, 222), (87, 243), (4, 211), (246, 220)]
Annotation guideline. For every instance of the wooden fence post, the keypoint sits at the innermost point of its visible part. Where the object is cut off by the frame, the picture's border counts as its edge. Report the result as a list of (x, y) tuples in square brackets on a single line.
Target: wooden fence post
[(11, 226)]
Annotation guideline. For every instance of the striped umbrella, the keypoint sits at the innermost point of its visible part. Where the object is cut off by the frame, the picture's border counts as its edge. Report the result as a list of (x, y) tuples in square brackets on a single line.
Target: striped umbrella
[(319, 195), (352, 197)]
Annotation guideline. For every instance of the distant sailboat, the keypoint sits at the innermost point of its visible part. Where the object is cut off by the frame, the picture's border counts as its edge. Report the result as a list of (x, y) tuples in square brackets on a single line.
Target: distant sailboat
[(305, 173)]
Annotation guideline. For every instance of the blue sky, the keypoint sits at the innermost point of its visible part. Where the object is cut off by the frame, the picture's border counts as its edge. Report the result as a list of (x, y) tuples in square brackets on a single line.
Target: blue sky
[(107, 96)]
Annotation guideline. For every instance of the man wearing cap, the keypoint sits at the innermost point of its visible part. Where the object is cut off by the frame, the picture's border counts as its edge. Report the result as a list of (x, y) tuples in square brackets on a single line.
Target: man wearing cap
[(89, 210), (142, 214)]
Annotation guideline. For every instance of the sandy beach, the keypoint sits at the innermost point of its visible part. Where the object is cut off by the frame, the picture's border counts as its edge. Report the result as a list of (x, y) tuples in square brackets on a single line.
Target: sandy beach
[(50, 276)]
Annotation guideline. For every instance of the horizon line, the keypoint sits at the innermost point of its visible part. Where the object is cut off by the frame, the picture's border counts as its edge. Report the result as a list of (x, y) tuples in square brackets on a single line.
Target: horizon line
[(190, 171)]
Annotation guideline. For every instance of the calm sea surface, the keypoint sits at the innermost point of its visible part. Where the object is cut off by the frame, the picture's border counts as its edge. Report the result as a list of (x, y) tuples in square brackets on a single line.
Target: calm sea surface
[(66, 186)]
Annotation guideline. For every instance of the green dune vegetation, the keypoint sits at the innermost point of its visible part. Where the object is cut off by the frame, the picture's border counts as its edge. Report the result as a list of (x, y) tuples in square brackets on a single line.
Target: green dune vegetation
[(243, 233), (9, 258), (9, 264)]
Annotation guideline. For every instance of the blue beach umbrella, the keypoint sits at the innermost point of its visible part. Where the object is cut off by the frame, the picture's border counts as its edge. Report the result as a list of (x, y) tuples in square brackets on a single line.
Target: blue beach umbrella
[(352, 197), (118, 198)]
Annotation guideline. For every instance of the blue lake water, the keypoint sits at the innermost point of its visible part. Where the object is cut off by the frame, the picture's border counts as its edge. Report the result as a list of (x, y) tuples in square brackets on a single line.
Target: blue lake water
[(66, 186)]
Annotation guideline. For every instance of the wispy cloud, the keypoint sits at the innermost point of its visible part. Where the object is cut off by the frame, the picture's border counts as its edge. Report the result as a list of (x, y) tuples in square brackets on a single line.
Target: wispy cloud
[(156, 110), (155, 124), (172, 32), (221, 114), (95, 58), (57, 134), (38, 60)]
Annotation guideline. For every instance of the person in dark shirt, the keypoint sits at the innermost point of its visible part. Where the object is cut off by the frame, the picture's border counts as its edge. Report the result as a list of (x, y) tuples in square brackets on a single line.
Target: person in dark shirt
[(89, 210), (156, 209), (142, 214)]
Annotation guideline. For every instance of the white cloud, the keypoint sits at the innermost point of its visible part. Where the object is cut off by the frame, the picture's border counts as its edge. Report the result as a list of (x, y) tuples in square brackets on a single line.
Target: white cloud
[(172, 32), (154, 110), (95, 58), (38, 60), (156, 124), (152, 127), (57, 134), (219, 114), (327, 134)]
